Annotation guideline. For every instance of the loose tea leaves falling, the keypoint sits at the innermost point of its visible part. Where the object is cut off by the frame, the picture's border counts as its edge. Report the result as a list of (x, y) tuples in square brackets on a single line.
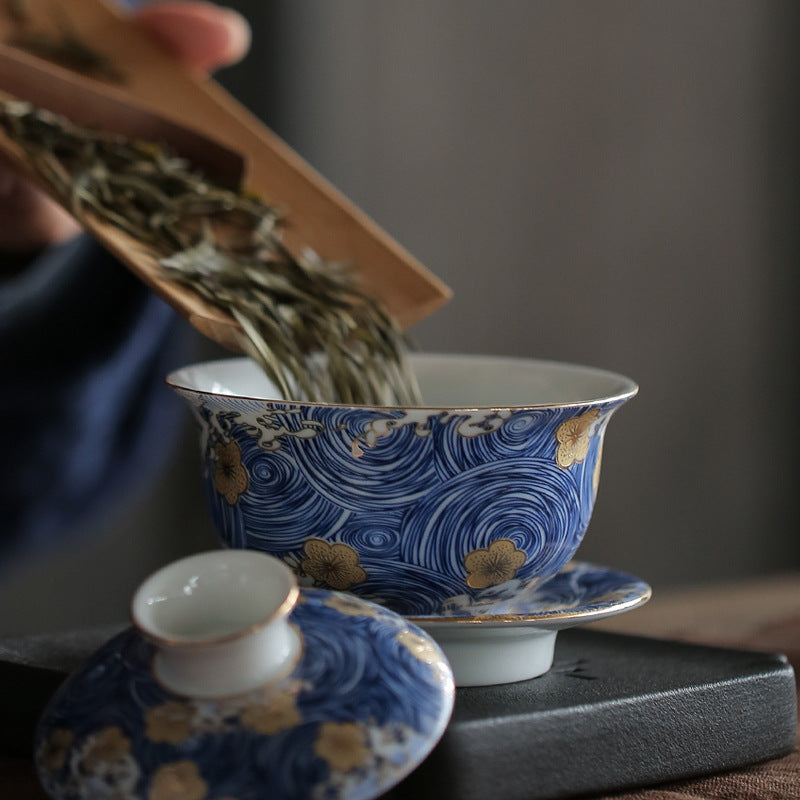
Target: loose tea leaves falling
[(304, 320)]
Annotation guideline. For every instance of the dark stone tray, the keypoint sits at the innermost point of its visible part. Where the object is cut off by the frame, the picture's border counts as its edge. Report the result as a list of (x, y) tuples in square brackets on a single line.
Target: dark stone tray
[(614, 712)]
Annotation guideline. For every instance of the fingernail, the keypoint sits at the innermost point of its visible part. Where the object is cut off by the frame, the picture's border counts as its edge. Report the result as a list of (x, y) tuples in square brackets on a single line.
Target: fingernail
[(239, 34)]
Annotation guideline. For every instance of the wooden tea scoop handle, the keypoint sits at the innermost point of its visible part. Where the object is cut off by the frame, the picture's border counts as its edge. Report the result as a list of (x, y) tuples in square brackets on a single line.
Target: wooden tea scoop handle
[(24, 78), (316, 214)]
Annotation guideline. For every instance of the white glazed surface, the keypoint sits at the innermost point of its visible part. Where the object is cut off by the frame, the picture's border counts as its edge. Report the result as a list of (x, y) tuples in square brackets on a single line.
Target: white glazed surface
[(219, 620), (230, 668), (487, 655), (446, 381), (500, 646)]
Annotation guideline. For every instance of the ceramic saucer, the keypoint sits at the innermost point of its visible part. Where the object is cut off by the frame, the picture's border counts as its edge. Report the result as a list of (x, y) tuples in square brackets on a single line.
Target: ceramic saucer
[(367, 698), (509, 634)]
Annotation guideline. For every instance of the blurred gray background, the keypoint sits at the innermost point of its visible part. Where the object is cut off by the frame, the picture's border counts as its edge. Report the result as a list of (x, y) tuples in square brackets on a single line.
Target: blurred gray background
[(613, 183)]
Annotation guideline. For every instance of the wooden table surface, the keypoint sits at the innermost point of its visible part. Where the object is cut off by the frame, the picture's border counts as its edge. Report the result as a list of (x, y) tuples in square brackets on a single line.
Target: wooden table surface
[(752, 614)]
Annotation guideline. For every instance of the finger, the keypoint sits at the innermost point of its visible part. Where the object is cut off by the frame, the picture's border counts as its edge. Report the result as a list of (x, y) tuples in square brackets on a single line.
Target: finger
[(201, 34)]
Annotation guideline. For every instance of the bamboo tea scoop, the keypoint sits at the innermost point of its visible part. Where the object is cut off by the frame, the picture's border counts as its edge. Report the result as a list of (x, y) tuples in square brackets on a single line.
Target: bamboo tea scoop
[(158, 99)]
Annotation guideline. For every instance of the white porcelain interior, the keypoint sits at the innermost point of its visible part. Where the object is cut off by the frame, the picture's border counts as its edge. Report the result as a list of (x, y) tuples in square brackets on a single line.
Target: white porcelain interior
[(484, 654), (446, 381), (219, 621)]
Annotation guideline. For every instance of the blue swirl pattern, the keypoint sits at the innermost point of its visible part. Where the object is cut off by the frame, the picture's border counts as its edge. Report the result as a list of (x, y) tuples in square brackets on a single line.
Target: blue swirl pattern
[(527, 433), (411, 493), (280, 504), (376, 538), (394, 471), (357, 671), (528, 501), (397, 584)]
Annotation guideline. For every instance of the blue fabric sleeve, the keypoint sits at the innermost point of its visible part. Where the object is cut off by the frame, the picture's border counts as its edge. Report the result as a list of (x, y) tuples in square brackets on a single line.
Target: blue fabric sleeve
[(88, 419)]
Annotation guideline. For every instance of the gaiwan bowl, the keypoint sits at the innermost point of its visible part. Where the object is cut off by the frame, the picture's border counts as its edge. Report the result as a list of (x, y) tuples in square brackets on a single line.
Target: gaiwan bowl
[(487, 489)]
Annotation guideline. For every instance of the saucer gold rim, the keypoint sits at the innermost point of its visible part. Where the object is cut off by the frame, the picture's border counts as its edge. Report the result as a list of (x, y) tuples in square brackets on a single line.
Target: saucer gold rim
[(546, 617), (633, 592)]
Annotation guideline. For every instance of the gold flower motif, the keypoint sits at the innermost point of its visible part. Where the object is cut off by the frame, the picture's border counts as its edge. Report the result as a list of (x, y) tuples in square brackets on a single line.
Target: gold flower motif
[(177, 781), (334, 564), (53, 754), (352, 606), (170, 722), (230, 475), (271, 716), (573, 438), (419, 647), (342, 745), (106, 747), (495, 564)]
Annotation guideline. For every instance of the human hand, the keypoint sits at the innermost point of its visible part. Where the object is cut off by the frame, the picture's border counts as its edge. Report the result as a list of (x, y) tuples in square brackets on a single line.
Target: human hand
[(201, 34)]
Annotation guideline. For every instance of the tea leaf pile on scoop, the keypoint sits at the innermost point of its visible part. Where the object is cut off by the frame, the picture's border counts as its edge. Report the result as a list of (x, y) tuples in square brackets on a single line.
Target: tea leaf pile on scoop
[(313, 331)]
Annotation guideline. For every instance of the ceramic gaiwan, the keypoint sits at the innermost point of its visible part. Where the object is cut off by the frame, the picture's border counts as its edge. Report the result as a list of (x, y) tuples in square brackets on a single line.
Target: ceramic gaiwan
[(235, 684), (490, 485)]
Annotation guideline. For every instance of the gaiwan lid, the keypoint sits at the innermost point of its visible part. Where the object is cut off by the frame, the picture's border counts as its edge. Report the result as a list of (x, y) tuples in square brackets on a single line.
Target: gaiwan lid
[(233, 683)]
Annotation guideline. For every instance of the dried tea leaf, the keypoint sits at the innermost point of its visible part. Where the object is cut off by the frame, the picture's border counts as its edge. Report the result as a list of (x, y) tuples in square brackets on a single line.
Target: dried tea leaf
[(305, 320)]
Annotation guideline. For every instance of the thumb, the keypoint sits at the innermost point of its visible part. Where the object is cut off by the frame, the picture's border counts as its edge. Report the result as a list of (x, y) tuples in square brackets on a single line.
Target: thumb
[(201, 34)]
